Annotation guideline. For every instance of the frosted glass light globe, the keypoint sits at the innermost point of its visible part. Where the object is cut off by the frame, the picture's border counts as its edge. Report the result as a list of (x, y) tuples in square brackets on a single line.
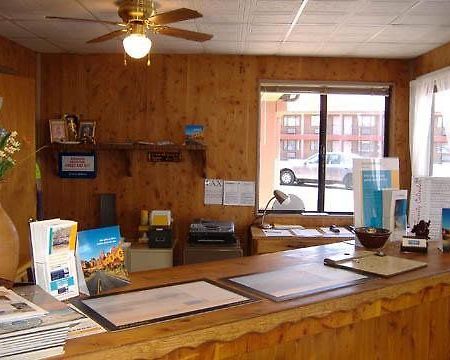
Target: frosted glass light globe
[(137, 45)]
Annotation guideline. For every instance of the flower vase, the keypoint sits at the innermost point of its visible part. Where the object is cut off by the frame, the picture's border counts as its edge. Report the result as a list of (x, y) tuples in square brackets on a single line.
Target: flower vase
[(9, 247)]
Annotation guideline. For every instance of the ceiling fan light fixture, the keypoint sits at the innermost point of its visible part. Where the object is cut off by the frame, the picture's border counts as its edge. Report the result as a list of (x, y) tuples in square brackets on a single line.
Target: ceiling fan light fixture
[(137, 45)]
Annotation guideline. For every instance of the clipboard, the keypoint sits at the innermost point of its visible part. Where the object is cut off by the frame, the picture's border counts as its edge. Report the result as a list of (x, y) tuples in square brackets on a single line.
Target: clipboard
[(369, 262)]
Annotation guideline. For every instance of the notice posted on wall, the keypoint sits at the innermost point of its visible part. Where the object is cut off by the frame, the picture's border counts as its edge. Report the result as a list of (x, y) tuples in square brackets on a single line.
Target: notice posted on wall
[(239, 193), (213, 192)]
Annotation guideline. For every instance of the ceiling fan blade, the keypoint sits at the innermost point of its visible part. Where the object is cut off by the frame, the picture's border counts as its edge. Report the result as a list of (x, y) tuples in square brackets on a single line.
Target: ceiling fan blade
[(85, 20), (184, 34), (108, 36), (174, 16)]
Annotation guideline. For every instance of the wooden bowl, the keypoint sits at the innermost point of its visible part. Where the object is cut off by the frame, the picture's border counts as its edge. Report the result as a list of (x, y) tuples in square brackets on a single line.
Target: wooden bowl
[(372, 238)]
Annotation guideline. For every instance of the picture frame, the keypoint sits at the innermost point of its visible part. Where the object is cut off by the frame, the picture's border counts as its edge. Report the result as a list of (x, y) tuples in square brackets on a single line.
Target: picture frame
[(86, 132), (58, 130)]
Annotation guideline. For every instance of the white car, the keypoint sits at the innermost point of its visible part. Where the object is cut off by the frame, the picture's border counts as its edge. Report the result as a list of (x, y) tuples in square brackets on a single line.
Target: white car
[(338, 169)]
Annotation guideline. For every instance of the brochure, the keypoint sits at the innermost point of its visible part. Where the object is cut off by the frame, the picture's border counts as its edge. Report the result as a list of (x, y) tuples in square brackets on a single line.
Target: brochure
[(445, 230), (369, 177), (53, 242), (102, 259), (395, 204)]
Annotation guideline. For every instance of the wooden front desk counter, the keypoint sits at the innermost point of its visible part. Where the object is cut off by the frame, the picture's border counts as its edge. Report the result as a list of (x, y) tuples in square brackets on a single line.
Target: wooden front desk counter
[(403, 317)]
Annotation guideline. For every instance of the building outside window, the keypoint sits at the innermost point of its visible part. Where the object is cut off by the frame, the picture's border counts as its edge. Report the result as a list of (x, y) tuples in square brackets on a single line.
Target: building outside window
[(350, 125)]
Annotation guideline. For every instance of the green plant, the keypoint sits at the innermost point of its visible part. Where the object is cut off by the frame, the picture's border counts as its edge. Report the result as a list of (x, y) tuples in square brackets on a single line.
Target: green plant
[(9, 145)]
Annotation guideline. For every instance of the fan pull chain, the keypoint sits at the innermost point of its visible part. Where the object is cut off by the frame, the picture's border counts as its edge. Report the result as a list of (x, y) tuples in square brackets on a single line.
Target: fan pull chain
[(125, 58), (148, 59)]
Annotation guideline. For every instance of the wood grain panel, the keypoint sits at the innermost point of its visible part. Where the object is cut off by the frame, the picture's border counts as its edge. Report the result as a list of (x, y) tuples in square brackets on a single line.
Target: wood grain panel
[(431, 61), (20, 60), (155, 103), (18, 194)]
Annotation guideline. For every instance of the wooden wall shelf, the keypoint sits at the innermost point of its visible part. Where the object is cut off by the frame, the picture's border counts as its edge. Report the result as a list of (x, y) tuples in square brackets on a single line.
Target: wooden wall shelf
[(129, 150)]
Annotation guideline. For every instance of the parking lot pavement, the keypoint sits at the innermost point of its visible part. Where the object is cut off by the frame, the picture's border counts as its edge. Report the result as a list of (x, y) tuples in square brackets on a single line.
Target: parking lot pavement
[(337, 198)]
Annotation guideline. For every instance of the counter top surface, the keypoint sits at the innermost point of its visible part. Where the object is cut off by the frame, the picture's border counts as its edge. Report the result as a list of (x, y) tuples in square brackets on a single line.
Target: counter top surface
[(160, 339)]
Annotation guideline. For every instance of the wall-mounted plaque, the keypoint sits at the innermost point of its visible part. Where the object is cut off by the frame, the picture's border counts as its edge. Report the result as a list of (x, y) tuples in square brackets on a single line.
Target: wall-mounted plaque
[(164, 156), (77, 165)]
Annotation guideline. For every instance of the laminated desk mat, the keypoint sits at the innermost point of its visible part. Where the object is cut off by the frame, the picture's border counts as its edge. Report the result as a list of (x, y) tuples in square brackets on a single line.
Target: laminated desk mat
[(296, 281), (144, 306), (369, 262)]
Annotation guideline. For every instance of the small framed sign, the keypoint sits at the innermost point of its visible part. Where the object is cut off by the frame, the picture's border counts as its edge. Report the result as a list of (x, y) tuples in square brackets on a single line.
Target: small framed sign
[(164, 156), (77, 165)]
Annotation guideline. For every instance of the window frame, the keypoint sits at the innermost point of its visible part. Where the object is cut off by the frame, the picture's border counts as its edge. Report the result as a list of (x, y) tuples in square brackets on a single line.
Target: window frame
[(324, 88)]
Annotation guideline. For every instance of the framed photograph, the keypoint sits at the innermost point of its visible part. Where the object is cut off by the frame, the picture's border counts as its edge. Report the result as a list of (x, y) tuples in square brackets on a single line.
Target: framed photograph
[(58, 131), (86, 133)]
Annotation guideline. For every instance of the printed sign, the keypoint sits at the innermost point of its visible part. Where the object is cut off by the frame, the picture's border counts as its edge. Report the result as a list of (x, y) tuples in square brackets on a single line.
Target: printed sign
[(77, 165)]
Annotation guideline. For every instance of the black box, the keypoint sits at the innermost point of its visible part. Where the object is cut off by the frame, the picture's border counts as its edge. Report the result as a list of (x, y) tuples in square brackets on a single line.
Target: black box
[(160, 237)]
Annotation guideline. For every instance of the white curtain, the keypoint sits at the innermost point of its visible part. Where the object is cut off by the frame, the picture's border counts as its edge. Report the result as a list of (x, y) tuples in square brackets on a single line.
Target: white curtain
[(421, 99)]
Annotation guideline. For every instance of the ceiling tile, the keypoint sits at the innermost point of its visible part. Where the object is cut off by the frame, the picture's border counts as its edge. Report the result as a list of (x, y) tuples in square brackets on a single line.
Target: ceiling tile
[(393, 50), (354, 33), (39, 45), (55, 29), (413, 34), (322, 18), (299, 48), (11, 30), (311, 33), (38, 9), (261, 48), (362, 19), (222, 47), (330, 6), (277, 6)]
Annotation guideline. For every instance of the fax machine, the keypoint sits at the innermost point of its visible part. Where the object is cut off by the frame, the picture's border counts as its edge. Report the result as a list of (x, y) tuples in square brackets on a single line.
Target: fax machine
[(212, 232)]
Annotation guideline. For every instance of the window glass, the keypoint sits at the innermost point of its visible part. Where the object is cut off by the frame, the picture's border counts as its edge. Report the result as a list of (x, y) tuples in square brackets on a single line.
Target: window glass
[(369, 110), (289, 161), (441, 127)]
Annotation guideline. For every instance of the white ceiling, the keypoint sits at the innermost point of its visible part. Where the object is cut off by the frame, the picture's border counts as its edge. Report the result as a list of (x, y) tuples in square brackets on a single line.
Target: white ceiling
[(361, 28)]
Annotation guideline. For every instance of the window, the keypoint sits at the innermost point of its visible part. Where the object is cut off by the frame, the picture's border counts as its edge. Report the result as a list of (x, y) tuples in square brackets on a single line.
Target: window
[(441, 152), (340, 122), (290, 120)]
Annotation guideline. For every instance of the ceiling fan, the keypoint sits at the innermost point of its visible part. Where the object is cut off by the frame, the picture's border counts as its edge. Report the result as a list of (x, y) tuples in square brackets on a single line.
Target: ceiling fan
[(139, 17)]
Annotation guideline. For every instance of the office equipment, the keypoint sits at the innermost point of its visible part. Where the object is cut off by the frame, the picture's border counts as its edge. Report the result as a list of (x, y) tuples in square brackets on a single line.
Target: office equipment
[(160, 231), (212, 232), (414, 244), (198, 253)]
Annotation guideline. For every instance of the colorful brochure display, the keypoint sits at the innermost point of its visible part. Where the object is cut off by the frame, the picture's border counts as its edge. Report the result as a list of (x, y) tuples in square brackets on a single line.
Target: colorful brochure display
[(369, 177), (102, 259), (53, 243)]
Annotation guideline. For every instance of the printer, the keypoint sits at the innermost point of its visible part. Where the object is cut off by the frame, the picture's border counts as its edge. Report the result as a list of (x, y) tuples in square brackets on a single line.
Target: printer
[(212, 232)]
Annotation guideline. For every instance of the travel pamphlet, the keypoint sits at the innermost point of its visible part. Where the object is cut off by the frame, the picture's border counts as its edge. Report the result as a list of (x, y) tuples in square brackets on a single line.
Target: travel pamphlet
[(53, 242), (395, 204), (102, 259), (369, 177), (445, 230)]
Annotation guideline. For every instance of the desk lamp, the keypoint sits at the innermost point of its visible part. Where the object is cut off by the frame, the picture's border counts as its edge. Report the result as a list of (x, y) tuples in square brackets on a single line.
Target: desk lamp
[(281, 198)]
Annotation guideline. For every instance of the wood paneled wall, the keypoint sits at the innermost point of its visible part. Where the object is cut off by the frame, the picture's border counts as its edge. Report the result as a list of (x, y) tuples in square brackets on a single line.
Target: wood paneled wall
[(154, 103), (17, 194), (20, 60), (431, 61)]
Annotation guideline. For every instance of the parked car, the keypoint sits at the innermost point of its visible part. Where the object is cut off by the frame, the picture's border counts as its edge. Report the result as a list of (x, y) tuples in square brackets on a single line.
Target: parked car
[(338, 169)]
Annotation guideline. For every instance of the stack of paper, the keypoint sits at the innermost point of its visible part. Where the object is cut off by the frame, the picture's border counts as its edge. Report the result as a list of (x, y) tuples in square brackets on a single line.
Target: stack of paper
[(53, 243), (33, 325)]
